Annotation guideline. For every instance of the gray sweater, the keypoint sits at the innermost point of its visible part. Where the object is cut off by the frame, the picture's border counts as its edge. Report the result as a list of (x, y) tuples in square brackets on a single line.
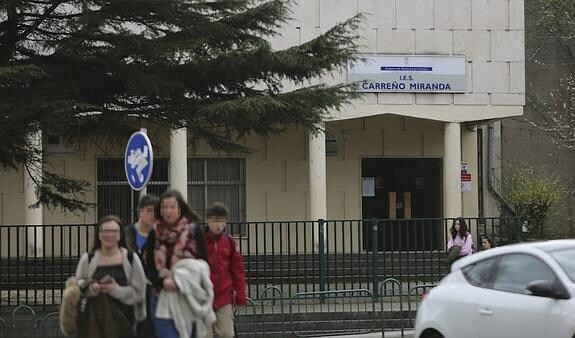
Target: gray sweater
[(132, 294)]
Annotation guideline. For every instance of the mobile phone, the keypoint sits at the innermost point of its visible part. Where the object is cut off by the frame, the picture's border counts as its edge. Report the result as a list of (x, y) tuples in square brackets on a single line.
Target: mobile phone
[(106, 279)]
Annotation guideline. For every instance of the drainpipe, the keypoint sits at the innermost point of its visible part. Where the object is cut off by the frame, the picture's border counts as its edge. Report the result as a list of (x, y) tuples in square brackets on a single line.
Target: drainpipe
[(491, 186)]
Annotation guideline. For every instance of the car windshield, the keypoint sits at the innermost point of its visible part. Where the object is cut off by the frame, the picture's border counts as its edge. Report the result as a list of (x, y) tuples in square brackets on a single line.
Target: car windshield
[(566, 259)]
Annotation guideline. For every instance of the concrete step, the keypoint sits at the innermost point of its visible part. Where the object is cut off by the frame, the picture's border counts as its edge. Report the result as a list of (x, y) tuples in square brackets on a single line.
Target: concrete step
[(272, 325), (300, 324)]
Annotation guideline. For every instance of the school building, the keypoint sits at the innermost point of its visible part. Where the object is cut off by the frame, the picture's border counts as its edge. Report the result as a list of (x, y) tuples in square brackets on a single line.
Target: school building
[(422, 142)]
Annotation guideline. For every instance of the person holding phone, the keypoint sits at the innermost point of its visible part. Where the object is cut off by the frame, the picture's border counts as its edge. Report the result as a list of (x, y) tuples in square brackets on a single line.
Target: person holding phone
[(114, 282)]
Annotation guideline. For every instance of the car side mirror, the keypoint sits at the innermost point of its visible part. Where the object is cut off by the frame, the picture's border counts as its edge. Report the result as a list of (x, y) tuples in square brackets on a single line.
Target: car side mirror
[(545, 288)]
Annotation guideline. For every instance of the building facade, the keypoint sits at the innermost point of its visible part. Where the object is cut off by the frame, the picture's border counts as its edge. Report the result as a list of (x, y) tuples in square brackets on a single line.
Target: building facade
[(388, 155)]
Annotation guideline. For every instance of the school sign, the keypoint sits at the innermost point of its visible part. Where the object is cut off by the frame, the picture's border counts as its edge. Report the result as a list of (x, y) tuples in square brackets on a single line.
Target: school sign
[(413, 73)]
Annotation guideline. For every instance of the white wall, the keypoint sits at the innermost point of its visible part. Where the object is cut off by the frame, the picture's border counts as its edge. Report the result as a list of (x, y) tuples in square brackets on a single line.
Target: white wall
[(490, 33)]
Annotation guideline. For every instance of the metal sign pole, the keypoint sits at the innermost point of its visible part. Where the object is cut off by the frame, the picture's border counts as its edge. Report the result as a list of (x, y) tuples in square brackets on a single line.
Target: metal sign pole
[(144, 190)]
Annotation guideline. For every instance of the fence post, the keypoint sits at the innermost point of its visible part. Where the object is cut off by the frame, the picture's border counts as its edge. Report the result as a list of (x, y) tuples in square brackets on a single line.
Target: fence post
[(322, 257), (374, 250)]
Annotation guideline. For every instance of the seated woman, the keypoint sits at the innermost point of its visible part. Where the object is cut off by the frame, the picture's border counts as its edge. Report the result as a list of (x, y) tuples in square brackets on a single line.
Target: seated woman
[(460, 240), (114, 284), (487, 243)]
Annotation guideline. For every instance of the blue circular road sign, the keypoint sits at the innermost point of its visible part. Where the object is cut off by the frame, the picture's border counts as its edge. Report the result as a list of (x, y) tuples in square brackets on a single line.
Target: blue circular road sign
[(138, 160)]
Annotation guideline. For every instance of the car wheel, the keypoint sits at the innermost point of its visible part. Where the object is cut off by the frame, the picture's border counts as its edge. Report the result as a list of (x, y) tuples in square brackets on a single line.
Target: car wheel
[(431, 334)]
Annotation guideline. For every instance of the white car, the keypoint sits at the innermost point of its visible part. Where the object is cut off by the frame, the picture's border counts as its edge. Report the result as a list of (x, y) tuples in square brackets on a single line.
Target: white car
[(521, 290)]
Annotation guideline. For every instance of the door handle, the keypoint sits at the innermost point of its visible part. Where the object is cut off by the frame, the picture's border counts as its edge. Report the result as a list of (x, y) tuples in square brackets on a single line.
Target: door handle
[(486, 312)]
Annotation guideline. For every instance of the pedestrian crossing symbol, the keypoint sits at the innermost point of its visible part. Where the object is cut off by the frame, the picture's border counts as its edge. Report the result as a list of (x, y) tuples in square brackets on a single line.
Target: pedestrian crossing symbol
[(138, 160)]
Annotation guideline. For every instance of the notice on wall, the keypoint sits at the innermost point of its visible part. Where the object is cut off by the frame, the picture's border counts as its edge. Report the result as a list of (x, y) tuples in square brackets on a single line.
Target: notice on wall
[(465, 177), (419, 183), (368, 187)]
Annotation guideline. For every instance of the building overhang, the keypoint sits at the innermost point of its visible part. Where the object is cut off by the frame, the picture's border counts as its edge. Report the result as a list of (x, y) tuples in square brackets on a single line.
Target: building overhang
[(443, 113)]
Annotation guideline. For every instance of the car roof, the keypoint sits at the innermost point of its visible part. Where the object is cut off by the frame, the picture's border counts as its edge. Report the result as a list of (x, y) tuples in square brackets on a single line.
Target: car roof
[(526, 247)]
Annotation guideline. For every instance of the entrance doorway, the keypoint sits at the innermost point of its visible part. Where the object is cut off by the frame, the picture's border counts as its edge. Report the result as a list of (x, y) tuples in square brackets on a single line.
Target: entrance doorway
[(407, 194)]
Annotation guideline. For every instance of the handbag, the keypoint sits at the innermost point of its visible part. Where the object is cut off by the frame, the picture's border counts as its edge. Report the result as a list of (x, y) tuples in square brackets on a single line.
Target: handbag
[(70, 307), (453, 254)]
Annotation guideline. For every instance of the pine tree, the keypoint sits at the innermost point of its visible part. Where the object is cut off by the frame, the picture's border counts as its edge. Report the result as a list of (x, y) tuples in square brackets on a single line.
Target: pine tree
[(91, 68)]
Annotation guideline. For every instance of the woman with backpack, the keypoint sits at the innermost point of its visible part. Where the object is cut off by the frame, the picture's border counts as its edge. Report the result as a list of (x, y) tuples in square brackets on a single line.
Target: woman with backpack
[(114, 285)]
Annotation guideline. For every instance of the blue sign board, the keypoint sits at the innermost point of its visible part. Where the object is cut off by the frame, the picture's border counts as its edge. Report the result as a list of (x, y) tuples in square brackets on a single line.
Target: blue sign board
[(138, 160)]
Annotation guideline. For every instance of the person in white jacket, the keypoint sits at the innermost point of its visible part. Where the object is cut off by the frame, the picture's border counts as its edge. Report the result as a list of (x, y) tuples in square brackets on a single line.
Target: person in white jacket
[(192, 305), (178, 237)]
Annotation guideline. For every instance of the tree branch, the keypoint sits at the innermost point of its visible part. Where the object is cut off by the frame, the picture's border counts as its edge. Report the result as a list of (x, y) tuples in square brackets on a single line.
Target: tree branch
[(11, 33), (39, 21)]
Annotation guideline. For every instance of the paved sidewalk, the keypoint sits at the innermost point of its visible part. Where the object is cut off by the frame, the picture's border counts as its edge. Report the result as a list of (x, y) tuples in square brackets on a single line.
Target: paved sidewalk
[(392, 334)]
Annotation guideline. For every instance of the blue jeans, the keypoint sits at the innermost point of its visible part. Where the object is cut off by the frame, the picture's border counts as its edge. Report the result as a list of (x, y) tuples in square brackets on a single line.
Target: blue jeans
[(165, 328)]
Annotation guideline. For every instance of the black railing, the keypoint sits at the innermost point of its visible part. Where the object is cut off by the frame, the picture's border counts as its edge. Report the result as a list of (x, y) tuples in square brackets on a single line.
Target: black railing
[(36, 260), (306, 314), (293, 256)]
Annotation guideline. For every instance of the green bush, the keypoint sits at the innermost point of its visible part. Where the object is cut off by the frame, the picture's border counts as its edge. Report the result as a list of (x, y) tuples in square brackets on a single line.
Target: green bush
[(533, 195)]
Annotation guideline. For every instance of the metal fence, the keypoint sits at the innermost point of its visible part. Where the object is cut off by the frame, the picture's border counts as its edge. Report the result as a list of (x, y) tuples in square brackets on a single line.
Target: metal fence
[(353, 254), (24, 322), (293, 256), (305, 314)]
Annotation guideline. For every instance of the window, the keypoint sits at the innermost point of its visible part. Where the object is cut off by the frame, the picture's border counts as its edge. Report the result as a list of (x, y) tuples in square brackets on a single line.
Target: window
[(566, 259), (481, 273), (213, 180), (209, 180), (517, 270), (116, 197), (331, 146)]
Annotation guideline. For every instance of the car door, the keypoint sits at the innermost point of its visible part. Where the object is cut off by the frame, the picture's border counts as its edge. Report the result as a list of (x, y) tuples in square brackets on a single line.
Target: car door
[(480, 275), (506, 308), (561, 321)]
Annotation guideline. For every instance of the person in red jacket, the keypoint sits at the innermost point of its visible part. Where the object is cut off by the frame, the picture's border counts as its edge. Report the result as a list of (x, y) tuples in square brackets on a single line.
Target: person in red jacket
[(227, 271)]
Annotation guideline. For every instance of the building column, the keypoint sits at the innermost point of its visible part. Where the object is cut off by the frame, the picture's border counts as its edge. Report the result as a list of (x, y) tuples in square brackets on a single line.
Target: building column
[(452, 170), (470, 199), (179, 161), (33, 216), (317, 177)]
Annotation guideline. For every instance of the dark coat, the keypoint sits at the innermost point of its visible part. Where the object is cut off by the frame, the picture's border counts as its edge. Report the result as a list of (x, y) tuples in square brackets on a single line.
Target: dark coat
[(145, 328), (102, 318), (146, 254)]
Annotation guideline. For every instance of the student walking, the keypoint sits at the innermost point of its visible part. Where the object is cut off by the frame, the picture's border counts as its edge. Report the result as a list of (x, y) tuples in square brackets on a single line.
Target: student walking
[(141, 239), (183, 294), (114, 281), (227, 271)]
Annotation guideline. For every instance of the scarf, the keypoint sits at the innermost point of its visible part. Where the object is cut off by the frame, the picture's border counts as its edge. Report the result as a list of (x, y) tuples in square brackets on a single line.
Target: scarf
[(174, 243)]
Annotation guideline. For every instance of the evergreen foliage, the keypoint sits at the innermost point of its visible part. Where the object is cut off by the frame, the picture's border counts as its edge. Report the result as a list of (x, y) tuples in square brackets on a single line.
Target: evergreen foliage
[(102, 68)]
